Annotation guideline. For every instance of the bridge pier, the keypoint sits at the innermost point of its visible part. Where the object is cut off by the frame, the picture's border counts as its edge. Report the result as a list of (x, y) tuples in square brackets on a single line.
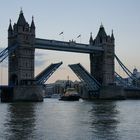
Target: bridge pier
[(112, 92), (6, 94), (28, 93)]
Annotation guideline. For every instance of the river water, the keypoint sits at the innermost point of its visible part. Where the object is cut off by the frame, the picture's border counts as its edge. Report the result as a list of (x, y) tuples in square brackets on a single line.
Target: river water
[(63, 120)]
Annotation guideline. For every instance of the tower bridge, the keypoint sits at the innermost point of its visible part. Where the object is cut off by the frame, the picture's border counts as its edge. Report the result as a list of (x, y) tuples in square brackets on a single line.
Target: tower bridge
[(21, 61), (21, 56)]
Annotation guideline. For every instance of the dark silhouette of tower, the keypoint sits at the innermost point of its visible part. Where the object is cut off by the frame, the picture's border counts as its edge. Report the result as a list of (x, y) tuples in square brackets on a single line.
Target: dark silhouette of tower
[(102, 63), (21, 61)]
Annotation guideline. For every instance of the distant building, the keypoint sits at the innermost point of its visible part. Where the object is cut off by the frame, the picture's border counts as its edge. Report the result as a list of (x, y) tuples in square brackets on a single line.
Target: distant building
[(136, 73), (60, 86), (49, 89), (129, 81)]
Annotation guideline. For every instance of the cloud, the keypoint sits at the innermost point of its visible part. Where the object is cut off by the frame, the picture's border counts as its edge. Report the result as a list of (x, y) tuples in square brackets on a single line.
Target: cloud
[(40, 59), (39, 63), (40, 54)]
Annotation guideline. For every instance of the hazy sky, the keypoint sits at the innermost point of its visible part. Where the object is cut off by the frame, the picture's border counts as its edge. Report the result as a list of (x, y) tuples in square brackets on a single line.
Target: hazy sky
[(75, 17)]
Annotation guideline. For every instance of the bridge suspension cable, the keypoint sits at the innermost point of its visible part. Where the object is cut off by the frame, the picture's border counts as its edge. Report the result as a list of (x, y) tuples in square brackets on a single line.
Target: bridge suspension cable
[(127, 71), (121, 80), (6, 52)]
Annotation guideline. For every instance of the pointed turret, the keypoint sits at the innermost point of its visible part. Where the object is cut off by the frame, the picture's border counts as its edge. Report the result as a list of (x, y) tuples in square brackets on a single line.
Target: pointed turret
[(91, 39), (101, 36), (21, 20), (112, 36), (10, 29), (32, 27), (32, 23), (101, 33), (10, 26)]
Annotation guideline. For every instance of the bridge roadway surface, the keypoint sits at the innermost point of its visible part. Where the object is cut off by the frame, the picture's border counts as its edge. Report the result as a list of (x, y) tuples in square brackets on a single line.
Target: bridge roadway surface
[(70, 46)]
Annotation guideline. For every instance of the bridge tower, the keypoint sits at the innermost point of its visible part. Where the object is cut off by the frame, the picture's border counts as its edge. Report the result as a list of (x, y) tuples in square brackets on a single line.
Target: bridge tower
[(21, 61), (102, 64)]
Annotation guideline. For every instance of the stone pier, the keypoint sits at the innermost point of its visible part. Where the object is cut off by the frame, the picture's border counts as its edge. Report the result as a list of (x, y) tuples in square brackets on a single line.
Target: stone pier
[(28, 93)]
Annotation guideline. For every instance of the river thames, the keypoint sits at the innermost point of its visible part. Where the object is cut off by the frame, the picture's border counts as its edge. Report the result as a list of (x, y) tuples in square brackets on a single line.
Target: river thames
[(63, 120)]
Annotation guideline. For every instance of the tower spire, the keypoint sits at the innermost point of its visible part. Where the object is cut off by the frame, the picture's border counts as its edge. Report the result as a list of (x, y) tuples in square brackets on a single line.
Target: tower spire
[(21, 20), (101, 32), (10, 26), (112, 36), (32, 23), (91, 39), (101, 26), (21, 11)]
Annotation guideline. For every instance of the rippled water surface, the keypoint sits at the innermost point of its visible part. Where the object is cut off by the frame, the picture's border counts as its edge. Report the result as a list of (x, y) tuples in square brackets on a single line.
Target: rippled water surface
[(80, 120)]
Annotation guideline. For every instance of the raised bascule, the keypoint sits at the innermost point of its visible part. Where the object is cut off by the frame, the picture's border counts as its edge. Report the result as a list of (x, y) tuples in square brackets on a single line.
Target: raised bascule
[(24, 86)]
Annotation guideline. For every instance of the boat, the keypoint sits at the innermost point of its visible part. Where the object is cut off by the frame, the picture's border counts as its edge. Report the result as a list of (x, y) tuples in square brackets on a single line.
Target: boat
[(70, 95)]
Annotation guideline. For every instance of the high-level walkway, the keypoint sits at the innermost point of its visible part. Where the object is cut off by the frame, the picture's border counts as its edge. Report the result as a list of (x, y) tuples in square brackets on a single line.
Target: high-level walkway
[(70, 46)]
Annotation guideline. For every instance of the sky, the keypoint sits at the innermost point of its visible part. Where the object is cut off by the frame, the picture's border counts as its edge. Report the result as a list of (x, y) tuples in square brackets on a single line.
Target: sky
[(75, 17)]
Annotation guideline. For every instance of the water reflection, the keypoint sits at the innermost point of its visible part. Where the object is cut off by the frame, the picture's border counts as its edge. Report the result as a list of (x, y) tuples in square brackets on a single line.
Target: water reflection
[(104, 116), (20, 122), (52, 120)]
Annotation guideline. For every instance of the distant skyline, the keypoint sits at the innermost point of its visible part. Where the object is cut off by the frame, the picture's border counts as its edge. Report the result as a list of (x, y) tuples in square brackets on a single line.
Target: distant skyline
[(74, 18)]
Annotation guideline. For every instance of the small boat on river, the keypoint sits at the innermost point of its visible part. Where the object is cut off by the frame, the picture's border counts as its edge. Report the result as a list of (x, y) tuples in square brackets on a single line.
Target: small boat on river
[(70, 95)]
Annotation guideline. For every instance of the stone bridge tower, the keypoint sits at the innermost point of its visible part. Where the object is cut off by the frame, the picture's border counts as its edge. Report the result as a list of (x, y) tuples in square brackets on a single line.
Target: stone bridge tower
[(102, 64), (21, 61)]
